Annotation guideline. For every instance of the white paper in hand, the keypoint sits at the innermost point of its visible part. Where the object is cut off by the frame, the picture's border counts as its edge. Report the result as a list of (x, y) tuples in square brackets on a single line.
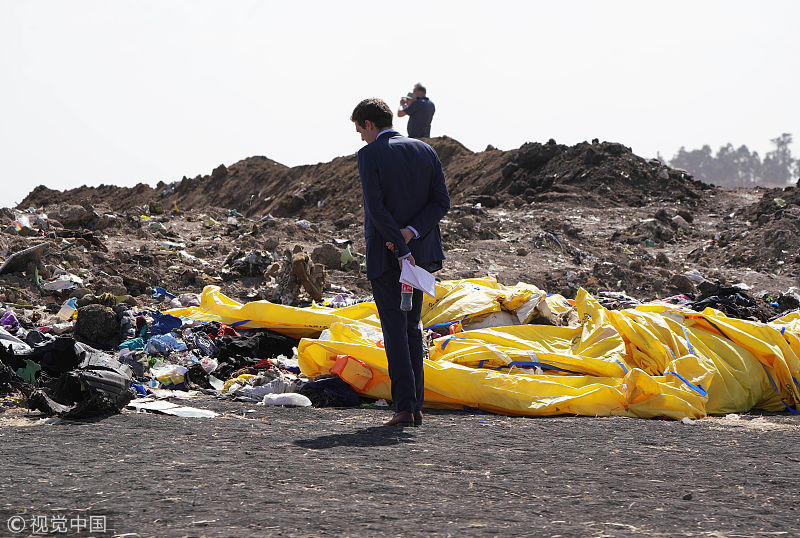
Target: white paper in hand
[(418, 278)]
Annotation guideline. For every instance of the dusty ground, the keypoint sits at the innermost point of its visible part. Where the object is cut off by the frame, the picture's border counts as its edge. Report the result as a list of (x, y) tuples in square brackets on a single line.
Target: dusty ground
[(555, 245), (332, 471)]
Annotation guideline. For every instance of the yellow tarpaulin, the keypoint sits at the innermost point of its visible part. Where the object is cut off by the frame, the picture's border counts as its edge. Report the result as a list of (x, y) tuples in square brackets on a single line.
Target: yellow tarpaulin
[(657, 360), (289, 320)]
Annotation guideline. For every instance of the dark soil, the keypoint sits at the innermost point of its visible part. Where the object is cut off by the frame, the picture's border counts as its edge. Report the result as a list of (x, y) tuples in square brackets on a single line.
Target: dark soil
[(328, 471), (764, 235), (596, 174)]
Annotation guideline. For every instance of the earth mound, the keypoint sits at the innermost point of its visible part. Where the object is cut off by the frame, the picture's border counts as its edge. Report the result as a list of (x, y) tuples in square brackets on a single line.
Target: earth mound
[(762, 236), (595, 174)]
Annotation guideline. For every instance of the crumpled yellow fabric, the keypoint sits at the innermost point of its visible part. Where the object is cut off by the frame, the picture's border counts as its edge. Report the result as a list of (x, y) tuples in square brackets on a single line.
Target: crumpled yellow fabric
[(289, 320), (656, 360), (474, 297)]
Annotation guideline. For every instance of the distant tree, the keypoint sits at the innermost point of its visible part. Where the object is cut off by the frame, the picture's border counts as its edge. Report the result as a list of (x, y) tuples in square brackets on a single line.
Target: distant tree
[(739, 167), (745, 167), (724, 170), (697, 161), (779, 166)]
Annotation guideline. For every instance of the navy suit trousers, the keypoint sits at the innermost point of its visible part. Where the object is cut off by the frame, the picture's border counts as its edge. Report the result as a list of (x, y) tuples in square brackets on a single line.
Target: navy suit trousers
[(402, 339)]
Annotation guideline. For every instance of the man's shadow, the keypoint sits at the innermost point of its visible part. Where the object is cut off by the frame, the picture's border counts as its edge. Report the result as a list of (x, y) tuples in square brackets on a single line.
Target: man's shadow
[(365, 437)]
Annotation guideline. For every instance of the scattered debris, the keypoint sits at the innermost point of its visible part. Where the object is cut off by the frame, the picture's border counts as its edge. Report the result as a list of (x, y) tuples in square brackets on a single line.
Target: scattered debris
[(91, 274)]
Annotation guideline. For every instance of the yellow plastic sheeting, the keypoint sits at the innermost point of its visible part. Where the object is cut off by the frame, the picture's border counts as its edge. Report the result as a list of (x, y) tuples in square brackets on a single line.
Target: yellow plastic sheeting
[(474, 297), (593, 349), (449, 384), (654, 361), (317, 357), (455, 300), (289, 320), (755, 364)]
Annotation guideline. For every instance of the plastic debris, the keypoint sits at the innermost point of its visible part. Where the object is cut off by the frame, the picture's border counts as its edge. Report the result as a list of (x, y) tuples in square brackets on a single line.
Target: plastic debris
[(289, 399)]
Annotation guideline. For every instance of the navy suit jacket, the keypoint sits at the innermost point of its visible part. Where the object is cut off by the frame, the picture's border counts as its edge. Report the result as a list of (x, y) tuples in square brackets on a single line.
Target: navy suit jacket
[(403, 185)]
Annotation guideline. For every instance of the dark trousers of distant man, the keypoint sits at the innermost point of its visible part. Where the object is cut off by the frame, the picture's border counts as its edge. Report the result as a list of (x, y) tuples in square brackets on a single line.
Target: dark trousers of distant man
[(402, 339)]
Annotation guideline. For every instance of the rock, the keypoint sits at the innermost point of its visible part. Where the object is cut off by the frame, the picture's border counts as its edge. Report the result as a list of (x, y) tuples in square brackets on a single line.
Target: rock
[(156, 208), (707, 288), (344, 221), (662, 215), (682, 283), (687, 497), (74, 216), (25, 231), (686, 215), (328, 255), (465, 226), (79, 292), (522, 251), (134, 286), (112, 284), (97, 324), (663, 234), (270, 243), (681, 222), (24, 259), (662, 260)]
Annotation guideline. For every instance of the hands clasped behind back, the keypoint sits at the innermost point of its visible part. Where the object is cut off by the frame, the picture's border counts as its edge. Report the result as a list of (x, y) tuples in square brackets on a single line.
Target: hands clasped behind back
[(408, 235)]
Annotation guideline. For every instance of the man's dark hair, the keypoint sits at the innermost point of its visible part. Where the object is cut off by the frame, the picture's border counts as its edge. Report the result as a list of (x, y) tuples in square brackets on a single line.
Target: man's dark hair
[(420, 87), (374, 110)]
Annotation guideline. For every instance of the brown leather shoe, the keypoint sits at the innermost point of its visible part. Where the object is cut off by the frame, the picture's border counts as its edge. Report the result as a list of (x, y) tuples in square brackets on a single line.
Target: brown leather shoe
[(417, 418), (401, 418)]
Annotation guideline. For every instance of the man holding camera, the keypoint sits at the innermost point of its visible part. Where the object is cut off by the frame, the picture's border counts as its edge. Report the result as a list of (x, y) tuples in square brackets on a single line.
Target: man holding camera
[(419, 110)]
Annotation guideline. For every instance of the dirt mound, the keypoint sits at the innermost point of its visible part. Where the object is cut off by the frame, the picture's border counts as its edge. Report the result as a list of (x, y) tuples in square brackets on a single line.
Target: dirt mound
[(773, 203), (596, 174), (600, 174), (764, 236), (771, 246), (119, 198)]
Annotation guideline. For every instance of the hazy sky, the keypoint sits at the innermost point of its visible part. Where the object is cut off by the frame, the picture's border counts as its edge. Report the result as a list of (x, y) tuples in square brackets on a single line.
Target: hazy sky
[(121, 92)]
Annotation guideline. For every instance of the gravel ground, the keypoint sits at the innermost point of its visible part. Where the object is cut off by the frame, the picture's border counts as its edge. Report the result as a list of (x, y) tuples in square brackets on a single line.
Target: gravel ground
[(276, 471)]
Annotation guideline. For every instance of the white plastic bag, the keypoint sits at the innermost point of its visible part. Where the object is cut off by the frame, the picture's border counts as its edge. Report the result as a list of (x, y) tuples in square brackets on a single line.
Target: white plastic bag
[(291, 399)]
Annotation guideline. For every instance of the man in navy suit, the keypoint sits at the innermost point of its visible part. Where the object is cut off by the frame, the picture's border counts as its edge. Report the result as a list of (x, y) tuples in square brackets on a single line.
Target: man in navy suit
[(405, 196)]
